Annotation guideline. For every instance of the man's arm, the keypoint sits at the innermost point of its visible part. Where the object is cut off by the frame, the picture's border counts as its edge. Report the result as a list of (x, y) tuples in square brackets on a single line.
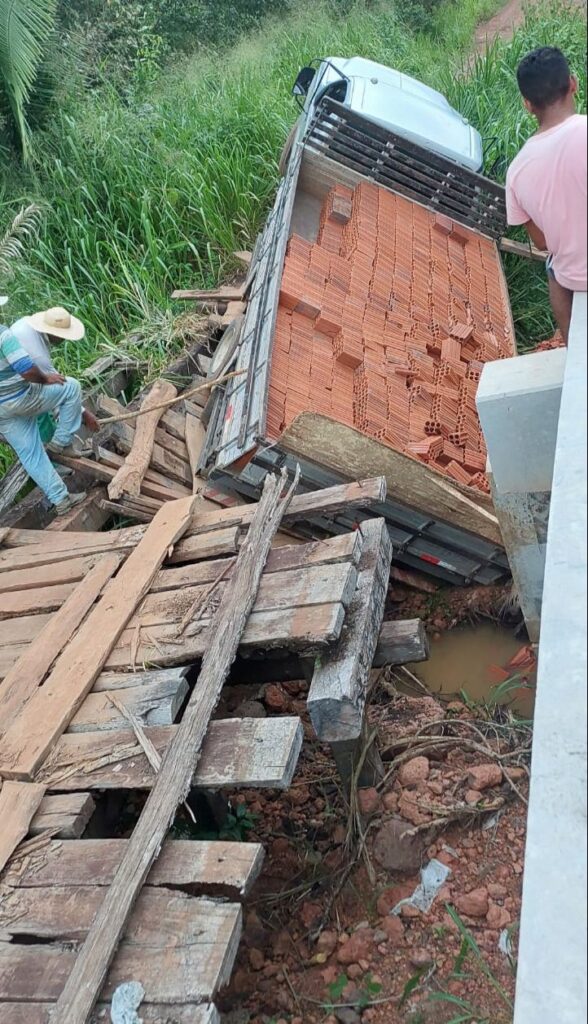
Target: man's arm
[(536, 235), (20, 361)]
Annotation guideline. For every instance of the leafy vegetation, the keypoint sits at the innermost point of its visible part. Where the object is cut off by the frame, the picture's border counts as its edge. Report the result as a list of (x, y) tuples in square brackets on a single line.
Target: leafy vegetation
[(151, 178)]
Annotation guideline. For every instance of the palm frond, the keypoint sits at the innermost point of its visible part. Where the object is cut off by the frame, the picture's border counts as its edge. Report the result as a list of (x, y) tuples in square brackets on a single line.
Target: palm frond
[(25, 28), (23, 230)]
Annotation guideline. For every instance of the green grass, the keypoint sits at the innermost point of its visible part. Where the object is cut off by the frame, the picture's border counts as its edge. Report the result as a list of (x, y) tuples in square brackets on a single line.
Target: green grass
[(154, 192)]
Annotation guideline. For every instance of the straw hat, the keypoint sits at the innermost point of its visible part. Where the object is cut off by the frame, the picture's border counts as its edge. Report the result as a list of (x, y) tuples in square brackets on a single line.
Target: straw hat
[(59, 323)]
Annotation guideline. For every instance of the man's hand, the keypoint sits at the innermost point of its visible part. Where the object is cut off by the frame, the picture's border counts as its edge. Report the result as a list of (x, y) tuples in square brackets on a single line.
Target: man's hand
[(90, 421), (54, 378)]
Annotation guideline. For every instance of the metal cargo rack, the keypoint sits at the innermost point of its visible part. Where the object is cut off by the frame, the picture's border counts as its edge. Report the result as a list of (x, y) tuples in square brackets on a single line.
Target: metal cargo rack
[(236, 452)]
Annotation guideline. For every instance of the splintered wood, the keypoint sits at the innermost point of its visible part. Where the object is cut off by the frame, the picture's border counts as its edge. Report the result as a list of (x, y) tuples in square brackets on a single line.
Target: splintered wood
[(130, 476)]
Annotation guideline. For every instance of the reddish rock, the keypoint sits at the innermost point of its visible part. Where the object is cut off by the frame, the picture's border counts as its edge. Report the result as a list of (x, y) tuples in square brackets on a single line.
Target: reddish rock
[(435, 787), (310, 914), (359, 947), (275, 698), (369, 802), (498, 917), (256, 960), (473, 797), (330, 975), (497, 891), (395, 851), (414, 771), (409, 807), (394, 929), (483, 776), (282, 944), (299, 796), (421, 958), (354, 971), (474, 903), (517, 774), (327, 943), (390, 802)]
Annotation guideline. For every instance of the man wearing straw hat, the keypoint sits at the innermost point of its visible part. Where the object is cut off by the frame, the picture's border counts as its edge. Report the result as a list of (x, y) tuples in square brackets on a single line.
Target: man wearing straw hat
[(30, 387)]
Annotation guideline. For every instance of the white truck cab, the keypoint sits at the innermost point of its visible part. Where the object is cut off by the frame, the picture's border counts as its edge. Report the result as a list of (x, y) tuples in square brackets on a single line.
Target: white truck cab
[(394, 100)]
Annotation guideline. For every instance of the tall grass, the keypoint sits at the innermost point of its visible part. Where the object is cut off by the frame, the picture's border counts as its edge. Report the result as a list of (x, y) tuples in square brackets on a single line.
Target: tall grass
[(153, 194)]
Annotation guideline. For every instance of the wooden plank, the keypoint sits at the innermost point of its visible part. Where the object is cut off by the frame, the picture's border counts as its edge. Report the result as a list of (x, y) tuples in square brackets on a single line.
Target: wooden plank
[(527, 249), (173, 782), (31, 544), (152, 704), (306, 630), (52, 573), (224, 869), (161, 460), (401, 643), (39, 1013), (122, 680), (226, 293), (363, 493), (18, 803), (124, 432), (195, 438), (237, 753), (68, 813), (347, 451), (28, 673), (206, 545), (48, 712), (338, 693), (180, 967), (174, 421), (344, 548), (160, 917)]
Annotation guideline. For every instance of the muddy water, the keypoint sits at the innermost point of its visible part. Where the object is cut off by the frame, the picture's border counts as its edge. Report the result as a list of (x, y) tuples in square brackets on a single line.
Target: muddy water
[(462, 659)]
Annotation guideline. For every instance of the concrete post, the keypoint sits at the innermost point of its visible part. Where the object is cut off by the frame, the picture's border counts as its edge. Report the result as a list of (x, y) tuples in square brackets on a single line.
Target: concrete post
[(519, 403)]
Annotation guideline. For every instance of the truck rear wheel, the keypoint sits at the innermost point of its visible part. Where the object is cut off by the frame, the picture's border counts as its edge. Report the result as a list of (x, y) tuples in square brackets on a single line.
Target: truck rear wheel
[(287, 150)]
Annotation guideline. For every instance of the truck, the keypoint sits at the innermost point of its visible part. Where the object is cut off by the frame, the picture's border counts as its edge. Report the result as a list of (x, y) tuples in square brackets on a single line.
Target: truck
[(371, 138)]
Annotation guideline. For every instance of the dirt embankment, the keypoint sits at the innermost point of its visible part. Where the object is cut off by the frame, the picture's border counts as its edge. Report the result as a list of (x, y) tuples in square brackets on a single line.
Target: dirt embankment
[(505, 22)]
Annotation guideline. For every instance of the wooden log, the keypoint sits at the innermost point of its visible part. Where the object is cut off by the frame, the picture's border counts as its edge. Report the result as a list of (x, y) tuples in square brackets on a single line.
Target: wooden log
[(402, 642), (238, 753), (337, 697), (39, 1013), (18, 803), (347, 451), (152, 704), (182, 966), (27, 742), (214, 868), (166, 440), (129, 478), (67, 813), (162, 460), (195, 438), (28, 673), (83, 987)]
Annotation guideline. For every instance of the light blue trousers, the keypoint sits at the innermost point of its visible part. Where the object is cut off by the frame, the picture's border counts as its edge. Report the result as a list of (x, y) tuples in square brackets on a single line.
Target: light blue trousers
[(18, 424)]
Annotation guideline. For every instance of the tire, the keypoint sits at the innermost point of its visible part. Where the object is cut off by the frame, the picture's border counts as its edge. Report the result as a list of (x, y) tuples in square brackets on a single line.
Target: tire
[(287, 150)]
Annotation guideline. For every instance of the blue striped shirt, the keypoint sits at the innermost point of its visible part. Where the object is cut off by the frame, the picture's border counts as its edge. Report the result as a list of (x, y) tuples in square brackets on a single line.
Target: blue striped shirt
[(14, 361)]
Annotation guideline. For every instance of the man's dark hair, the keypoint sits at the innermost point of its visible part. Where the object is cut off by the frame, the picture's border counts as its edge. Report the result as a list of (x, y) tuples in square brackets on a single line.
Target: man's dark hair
[(544, 76)]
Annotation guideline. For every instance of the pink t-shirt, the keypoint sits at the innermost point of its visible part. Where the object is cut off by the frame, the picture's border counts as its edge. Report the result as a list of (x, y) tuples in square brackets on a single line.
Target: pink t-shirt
[(546, 183)]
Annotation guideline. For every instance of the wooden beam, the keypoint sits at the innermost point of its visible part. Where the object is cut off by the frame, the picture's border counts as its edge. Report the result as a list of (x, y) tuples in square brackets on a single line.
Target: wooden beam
[(224, 869), (28, 673), (338, 693), (347, 451), (527, 249), (401, 643), (18, 803), (173, 782), (53, 572), (227, 293), (238, 753), (67, 813), (190, 956), (47, 713), (106, 470)]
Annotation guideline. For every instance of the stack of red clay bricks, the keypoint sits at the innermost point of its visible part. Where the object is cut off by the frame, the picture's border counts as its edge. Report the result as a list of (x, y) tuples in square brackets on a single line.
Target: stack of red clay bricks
[(385, 324)]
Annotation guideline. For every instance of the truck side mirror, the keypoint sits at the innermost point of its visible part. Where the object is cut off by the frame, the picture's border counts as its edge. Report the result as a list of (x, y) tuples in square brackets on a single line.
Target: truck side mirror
[(303, 82)]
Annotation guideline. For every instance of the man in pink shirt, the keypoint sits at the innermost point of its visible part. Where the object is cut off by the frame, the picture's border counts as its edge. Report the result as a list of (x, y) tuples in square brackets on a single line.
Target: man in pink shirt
[(546, 182)]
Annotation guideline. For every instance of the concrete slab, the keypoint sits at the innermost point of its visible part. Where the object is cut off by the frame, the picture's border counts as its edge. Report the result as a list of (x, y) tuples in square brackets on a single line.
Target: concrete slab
[(518, 403), (551, 984)]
